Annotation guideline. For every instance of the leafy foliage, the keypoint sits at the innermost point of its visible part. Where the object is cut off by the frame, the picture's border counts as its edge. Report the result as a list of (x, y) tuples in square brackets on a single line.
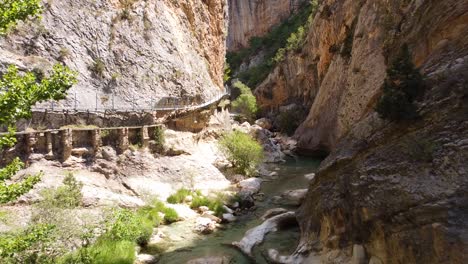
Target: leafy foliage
[(179, 196), (243, 151), (289, 120), (403, 85), (103, 252), (126, 225), (246, 103), (18, 93), (159, 138), (214, 204), (14, 246), (12, 11), (65, 197)]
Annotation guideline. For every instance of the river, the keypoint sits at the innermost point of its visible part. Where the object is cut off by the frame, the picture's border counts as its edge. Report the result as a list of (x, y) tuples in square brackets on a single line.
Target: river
[(185, 247)]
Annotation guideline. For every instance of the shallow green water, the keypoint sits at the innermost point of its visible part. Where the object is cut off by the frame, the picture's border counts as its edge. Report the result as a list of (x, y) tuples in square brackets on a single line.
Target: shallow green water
[(290, 176)]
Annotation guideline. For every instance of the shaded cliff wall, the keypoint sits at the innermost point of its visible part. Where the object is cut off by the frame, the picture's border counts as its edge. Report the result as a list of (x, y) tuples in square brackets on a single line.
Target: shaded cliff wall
[(397, 189), (252, 18), (133, 49)]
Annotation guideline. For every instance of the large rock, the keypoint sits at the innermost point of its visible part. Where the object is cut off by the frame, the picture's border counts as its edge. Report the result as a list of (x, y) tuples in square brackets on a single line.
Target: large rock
[(168, 48), (211, 260), (293, 197), (204, 225), (256, 235), (251, 185)]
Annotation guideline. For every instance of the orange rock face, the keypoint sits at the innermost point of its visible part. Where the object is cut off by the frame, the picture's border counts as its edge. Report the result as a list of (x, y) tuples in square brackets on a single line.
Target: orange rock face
[(251, 18)]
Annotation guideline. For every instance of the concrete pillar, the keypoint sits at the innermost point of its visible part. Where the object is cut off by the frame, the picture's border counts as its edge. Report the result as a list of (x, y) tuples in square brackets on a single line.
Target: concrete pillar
[(30, 141), (96, 140), (49, 146), (144, 137), (123, 140), (66, 137)]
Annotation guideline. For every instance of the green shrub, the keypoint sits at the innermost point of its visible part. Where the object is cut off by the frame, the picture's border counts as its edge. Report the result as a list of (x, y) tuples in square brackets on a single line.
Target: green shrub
[(403, 85), (24, 245), (130, 226), (66, 196), (159, 138), (288, 121), (214, 204), (179, 196), (103, 252), (242, 150), (98, 67), (170, 215), (246, 103)]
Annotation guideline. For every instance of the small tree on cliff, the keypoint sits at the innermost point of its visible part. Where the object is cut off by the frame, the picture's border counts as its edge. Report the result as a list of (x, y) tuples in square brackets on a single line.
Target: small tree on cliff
[(403, 85), (246, 103), (19, 92)]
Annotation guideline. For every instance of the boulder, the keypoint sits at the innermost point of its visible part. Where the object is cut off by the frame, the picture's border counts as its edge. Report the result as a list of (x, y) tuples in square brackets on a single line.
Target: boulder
[(109, 153), (204, 225), (251, 185), (294, 197), (210, 216), (257, 234), (264, 123), (229, 217), (273, 212), (146, 259), (359, 255), (211, 260), (245, 199)]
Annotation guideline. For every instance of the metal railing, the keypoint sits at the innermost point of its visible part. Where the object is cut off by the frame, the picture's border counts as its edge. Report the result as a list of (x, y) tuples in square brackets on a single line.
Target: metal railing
[(110, 104)]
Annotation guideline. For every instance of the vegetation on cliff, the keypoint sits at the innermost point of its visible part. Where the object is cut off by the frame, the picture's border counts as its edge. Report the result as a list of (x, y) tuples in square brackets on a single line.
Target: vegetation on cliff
[(288, 36), (403, 85), (246, 103)]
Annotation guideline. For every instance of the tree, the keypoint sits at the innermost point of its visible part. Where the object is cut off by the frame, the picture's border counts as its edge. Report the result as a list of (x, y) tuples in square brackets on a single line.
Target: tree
[(244, 152), (403, 85), (12, 11), (19, 92), (246, 103)]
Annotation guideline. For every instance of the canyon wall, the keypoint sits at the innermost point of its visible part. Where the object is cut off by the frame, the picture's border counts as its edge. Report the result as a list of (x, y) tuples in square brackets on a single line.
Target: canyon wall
[(252, 18), (396, 190), (133, 51)]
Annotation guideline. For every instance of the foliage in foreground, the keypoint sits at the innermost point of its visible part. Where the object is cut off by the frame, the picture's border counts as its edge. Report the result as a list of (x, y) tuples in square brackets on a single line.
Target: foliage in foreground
[(403, 85), (12, 11), (18, 93), (246, 103), (243, 151)]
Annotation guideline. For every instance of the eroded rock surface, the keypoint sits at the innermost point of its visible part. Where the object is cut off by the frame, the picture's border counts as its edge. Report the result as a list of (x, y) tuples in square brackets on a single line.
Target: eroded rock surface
[(126, 51)]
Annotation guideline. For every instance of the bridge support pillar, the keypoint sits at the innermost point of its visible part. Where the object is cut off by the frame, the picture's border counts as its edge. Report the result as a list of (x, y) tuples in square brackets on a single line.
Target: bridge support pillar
[(30, 141), (96, 140), (144, 137), (123, 140), (66, 137), (49, 148)]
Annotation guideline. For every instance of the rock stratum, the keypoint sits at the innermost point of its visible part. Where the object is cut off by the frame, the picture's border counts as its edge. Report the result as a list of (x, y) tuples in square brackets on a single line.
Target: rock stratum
[(397, 190), (253, 18), (132, 50)]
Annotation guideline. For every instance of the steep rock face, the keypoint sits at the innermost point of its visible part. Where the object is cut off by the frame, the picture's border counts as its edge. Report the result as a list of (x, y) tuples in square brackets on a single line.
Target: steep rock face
[(398, 189), (135, 50), (251, 18)]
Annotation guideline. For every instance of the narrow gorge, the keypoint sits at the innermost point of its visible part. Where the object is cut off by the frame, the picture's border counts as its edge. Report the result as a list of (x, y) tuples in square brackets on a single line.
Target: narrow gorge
[(234, 131)]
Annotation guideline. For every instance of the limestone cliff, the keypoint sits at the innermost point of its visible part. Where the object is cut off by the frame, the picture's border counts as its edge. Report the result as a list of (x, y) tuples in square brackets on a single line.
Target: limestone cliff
[(396, 188), (136, 50), (253, 18)]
